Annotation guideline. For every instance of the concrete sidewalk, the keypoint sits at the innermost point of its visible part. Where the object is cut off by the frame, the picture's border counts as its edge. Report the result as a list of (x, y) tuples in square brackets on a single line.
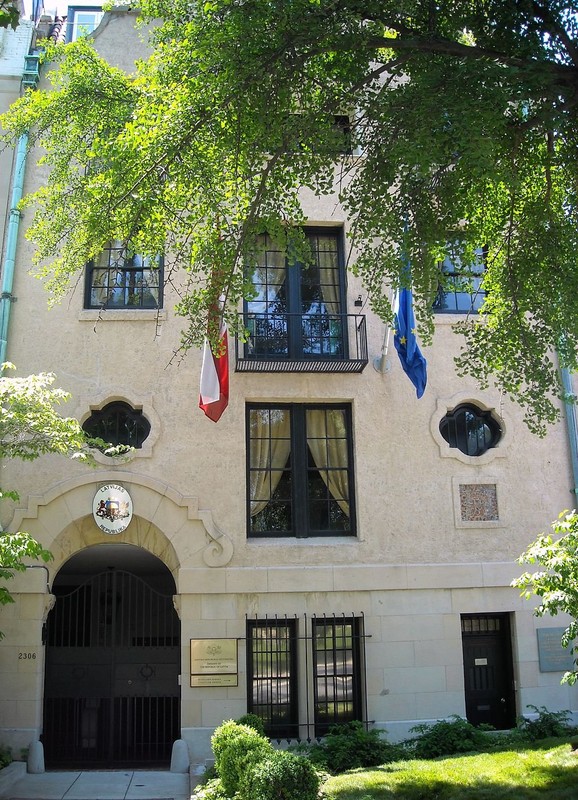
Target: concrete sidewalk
[(17, 784)]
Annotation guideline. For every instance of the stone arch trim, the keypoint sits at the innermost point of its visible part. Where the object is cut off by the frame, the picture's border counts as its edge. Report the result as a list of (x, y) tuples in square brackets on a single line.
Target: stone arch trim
[(166, 523), (82, 534)]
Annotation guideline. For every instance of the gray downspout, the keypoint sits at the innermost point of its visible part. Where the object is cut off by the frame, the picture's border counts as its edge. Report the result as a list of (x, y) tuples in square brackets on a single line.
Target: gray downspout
[(572, 423), (6, 298)]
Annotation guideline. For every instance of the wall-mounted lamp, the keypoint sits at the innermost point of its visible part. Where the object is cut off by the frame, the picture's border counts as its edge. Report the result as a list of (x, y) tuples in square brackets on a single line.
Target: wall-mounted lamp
[(359, 302)]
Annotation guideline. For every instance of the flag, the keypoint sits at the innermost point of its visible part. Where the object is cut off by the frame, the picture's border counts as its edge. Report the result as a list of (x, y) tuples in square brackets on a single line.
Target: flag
[(214, 389), (413, 363)]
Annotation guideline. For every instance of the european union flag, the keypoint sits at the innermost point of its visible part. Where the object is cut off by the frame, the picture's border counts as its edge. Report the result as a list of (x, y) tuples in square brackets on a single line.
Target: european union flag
[(413, 363)]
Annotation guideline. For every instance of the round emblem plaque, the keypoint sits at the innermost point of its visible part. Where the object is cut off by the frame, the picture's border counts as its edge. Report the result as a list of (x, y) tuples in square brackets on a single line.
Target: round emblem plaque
[(112, 508)]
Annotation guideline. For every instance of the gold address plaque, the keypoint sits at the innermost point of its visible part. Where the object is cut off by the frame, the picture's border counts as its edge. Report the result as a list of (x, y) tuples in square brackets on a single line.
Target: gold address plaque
[(214, 662)]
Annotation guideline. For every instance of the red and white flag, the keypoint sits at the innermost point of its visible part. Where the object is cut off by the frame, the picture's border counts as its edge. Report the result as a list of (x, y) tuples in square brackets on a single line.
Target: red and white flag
[(214, 391)]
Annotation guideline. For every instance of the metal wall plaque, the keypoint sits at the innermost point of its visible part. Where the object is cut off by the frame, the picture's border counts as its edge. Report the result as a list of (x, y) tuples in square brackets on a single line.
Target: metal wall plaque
[(112, 508), (214, 680), (214, 662), (552, 656)]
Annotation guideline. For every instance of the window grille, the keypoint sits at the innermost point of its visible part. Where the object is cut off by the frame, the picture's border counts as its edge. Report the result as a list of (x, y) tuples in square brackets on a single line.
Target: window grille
[(336, 669), (331, 649), (481, 624), (470, 430), (272, 675), (118, 423)]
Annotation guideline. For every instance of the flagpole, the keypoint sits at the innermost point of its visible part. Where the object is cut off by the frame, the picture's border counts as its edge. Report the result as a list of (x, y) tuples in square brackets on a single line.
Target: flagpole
[(381, 363)]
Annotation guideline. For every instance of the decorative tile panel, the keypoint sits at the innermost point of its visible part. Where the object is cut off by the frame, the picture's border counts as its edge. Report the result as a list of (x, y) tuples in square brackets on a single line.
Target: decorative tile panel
[(478, 502)]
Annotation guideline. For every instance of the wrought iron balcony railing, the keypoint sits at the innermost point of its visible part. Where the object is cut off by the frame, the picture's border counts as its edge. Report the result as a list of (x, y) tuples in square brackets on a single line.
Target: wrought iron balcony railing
[(302, 343)]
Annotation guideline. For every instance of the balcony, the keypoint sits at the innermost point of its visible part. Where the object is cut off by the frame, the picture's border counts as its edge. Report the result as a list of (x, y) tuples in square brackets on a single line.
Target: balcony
[(302, 343)]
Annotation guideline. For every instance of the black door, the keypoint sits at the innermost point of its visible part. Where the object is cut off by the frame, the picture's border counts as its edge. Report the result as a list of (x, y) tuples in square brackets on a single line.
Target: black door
[(112, 694), (488, 673)]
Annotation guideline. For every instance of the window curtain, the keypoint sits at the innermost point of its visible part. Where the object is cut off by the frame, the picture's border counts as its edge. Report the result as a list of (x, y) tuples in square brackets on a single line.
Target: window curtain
[(103, 283), (268, 278), (99, 290), (270, 445), (327, 441), (327, 260)]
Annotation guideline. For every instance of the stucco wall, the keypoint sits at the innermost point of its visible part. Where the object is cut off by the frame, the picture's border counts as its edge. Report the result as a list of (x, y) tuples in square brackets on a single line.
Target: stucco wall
[(412, 569)]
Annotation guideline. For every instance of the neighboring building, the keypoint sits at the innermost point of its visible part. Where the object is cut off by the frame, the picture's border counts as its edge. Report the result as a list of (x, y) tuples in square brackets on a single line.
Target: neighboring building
[(332, 549)]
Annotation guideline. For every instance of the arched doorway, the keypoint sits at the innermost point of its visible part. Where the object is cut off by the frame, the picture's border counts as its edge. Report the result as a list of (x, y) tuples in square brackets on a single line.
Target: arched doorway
[(112, 694)]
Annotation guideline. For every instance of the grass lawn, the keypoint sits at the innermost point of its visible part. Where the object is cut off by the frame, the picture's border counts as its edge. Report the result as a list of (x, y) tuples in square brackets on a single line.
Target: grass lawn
[(545, 771)]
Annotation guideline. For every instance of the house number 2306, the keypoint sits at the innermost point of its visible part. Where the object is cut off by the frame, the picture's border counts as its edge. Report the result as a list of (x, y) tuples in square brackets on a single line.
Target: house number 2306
[(26, 656)]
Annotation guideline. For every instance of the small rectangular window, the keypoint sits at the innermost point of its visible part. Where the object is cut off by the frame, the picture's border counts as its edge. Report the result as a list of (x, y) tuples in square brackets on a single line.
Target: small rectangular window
[(337, 671), (461, 291), (82, 21), (300, 470), (120, 278), (272, 675)]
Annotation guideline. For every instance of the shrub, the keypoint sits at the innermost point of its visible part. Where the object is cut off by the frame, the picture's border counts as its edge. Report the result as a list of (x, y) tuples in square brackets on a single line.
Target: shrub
[(209, 774), (448, 737), (281, 776), (5, 757), (350, 745), (237, 748), (545, 725), (211, 790), (252, 721)]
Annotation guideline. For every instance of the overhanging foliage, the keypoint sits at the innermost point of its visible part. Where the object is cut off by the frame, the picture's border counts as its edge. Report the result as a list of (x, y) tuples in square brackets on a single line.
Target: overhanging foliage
[(30, 426), (463, 119), (555, 581)]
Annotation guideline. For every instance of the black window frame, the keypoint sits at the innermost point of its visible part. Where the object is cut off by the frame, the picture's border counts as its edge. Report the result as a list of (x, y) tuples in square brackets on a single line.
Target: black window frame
[(277, 678), (122, 259), (343, 127), (292, 327), (337, 672), (111, 418), (461, 291), (300, 471), (458, 428)]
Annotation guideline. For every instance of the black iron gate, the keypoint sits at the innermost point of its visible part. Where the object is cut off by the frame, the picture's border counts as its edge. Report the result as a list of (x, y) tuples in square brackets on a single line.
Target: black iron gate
[(112, 664)]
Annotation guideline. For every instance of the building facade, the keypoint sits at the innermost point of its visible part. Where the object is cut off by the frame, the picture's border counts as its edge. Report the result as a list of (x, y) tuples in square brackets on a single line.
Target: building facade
[(332, 549)]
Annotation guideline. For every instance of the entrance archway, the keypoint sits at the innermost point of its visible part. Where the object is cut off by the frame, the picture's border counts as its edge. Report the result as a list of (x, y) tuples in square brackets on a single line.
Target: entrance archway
[(112, 694)]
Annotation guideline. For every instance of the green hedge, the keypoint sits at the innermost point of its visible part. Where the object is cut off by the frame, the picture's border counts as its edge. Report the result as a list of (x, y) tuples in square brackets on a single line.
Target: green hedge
[(281, 776), (237, 749)]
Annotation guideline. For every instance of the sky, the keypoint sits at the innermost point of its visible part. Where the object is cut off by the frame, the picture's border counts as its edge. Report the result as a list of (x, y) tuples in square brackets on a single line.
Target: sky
[(60, 7)]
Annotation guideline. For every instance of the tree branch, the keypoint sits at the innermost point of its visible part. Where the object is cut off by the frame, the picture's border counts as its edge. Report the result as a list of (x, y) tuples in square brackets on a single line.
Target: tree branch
[(557, 30)]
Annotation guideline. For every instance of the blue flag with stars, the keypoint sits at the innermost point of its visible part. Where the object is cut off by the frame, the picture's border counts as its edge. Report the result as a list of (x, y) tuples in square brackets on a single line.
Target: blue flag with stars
[(413, 363)]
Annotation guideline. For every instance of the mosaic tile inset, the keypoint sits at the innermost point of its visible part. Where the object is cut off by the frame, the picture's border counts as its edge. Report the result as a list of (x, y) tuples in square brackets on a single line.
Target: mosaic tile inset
[(478, 502)]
